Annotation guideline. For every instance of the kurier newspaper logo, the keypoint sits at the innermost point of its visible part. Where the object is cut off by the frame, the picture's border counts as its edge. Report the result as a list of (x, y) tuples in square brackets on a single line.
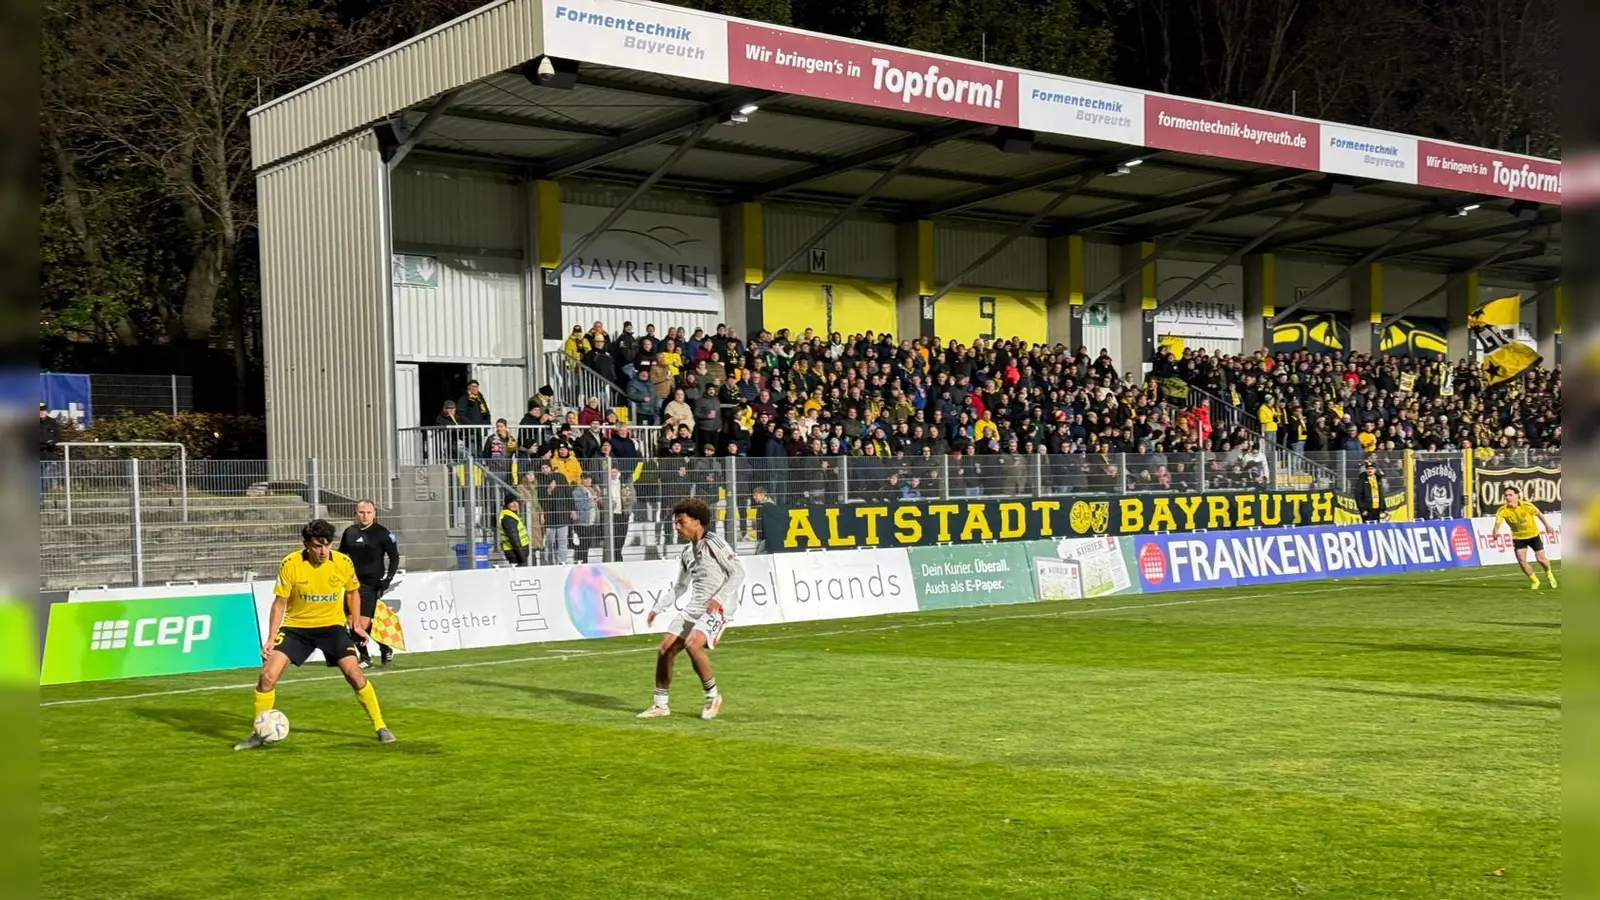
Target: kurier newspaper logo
[(638, 36), (98, 640)]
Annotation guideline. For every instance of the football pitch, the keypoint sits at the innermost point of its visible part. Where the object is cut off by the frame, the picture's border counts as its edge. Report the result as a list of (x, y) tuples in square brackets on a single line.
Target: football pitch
[(1380, 737)]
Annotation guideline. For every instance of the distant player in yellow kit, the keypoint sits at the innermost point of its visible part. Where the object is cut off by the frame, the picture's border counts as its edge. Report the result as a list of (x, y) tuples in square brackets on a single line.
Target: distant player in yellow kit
[(316, 605), (1526, 523)]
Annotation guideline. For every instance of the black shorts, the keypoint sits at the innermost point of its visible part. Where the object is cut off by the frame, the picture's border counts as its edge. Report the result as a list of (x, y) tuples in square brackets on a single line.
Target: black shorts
[(1535, 543), (369, 597), (1372, 515), (334, 641)]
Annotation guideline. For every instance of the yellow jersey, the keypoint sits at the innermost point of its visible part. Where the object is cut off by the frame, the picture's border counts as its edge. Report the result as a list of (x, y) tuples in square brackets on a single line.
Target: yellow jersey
[(315, 593), (1268, 417), (1522, 519)]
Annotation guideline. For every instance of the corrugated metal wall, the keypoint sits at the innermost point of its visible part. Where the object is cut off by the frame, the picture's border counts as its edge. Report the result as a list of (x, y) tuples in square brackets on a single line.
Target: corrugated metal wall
[(324, 271), (589, 193), (614, 316), (450, 208), (505, 387), (1401, 286), (860, 247), (1021, 266), (474, 315), (498, 37), (1102, 265), (1100, 337)]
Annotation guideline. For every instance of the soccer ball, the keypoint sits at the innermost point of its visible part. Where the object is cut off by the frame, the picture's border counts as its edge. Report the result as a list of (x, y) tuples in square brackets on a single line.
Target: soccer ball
[(272, 726)]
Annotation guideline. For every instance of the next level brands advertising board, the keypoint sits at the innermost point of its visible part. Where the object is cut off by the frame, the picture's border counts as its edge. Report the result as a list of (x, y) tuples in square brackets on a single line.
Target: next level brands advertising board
[(1237, 559)]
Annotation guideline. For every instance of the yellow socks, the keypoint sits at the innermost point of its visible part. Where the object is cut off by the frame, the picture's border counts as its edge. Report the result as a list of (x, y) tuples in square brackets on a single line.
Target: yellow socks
[(264, 702), (369, 702)]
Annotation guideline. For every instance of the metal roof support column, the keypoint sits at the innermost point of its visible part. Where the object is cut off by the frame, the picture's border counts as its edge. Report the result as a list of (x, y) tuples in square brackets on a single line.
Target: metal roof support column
[(1011, 236), (627, 203), (837, 220), (416, 134), (1370, 256), (1234, 257)]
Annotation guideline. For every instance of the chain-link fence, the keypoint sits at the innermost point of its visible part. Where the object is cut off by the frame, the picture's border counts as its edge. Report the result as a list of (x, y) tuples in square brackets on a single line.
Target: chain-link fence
[(148, 521)]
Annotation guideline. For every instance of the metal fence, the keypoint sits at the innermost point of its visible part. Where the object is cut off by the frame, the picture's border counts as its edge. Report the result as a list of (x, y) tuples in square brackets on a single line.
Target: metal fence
[(141, 393), (572, 383), (149, 521)]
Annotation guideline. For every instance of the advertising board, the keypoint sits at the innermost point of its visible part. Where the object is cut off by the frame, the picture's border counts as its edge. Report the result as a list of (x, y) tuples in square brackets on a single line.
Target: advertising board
[(1171, 562), (98, 640), (931, 522), (844, 585), (645, 36), (1496, 550)]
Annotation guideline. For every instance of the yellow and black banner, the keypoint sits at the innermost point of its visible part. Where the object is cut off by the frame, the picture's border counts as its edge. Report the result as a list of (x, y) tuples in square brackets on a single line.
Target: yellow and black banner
[(1175, 389), (962, 520), (1319, 332), (1417, 338), (1539, 485)]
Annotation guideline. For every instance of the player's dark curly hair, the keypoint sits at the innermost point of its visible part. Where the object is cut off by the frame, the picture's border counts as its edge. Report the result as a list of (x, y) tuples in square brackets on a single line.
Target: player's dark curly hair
[(317, 530), (695, 509)]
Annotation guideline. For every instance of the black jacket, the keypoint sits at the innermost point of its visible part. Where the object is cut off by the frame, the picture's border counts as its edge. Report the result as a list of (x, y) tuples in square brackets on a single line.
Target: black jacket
[(373, 551), (49, 437)]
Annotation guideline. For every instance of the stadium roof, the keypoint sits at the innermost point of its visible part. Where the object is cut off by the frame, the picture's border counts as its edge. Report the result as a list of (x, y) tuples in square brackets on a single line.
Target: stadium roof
[(835, 119)]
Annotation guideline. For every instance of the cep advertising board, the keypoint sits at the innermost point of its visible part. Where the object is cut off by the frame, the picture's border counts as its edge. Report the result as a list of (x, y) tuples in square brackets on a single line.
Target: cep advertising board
[(1186, 562), (96, 640)]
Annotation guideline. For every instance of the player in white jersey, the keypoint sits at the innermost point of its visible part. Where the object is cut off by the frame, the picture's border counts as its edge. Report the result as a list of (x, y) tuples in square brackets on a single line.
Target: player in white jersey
[(711, 571)]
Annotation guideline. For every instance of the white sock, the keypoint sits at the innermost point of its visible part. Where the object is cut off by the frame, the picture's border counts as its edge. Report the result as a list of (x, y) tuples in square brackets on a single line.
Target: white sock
[(661, 698), (711, 689)]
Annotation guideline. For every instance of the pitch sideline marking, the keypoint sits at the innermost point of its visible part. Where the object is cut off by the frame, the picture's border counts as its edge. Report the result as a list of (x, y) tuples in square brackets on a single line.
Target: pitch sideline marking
[(566, 655)]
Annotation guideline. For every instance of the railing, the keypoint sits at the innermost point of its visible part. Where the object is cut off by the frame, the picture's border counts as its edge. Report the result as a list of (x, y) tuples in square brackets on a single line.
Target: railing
[(573, 383), (453, 443), (89, 467), (242, 516), (1286, 462)]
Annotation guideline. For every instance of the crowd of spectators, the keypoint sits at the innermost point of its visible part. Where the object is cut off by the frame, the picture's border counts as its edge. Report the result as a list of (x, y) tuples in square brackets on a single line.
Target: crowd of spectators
[(930, 418)]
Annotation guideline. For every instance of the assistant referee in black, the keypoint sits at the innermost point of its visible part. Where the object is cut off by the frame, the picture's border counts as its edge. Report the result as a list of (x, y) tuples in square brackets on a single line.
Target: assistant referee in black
[(372, 548)]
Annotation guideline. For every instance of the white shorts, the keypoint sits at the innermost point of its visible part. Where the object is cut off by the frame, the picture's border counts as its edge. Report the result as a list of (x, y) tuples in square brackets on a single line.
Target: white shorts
[(707, 623)]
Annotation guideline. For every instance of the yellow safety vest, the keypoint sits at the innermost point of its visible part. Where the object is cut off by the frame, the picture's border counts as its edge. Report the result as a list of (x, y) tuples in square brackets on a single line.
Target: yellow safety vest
[(522, 530)]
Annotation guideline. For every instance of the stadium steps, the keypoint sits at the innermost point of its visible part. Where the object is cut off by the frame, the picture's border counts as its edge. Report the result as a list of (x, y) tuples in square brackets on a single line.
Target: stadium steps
[(1296, 466)]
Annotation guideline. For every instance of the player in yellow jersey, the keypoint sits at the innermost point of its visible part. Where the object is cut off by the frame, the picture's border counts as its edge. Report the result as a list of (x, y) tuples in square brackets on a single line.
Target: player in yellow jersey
[(1526, 523), (316, 605)]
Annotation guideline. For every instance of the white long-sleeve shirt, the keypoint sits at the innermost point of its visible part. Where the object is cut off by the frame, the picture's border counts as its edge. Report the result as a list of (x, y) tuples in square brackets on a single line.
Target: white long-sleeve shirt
[(711, 570)]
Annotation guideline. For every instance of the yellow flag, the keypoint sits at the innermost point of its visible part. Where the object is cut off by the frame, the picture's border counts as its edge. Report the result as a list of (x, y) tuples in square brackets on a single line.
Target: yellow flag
[(1504, 312), (386, 627), (1508, 361)]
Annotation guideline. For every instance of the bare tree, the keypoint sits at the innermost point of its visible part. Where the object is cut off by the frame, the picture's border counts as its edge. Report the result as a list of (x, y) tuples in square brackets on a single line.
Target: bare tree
[(167, 85)]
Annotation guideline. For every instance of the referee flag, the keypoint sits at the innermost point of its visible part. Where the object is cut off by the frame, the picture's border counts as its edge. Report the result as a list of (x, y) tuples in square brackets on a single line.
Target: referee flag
[(386, 627)]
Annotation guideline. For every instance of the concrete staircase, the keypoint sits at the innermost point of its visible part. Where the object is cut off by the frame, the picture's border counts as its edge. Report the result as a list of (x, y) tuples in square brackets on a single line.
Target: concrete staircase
[(224, 538)]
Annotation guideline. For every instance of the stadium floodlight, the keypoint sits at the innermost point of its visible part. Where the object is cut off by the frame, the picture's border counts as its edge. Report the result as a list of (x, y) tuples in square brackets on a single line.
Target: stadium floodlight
[(1466, 210), (1121, 169), (748, 108)]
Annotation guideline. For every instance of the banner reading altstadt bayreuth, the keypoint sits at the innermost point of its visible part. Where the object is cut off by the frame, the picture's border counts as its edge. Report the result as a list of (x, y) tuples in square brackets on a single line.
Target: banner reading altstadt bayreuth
[(966, 519)]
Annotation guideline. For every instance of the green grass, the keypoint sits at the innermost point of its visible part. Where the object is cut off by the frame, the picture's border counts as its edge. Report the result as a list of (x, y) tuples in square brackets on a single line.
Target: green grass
[(1389, 737)]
